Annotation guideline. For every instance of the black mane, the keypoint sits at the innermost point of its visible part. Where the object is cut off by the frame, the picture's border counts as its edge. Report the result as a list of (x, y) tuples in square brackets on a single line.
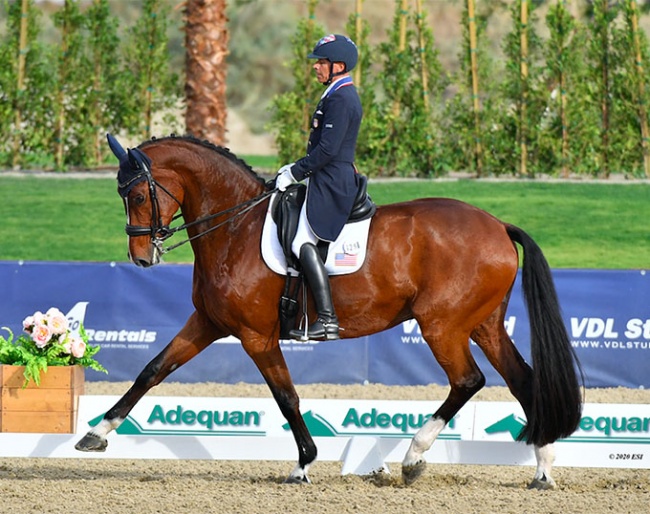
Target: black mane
[(221, 150)]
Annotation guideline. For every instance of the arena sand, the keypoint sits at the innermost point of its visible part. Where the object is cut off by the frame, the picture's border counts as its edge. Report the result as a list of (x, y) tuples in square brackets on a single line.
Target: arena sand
[(163, 486)]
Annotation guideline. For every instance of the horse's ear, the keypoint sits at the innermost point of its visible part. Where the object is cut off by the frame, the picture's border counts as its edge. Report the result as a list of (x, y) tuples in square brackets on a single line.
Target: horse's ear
[(116, 147), (138, 160)]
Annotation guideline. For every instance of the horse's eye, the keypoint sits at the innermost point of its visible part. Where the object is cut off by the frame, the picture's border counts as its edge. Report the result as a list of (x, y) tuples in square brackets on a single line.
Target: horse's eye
[(139, 199)]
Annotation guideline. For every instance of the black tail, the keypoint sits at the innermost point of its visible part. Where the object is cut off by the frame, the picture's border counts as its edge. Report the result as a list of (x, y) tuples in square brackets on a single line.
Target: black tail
[(557, 398)]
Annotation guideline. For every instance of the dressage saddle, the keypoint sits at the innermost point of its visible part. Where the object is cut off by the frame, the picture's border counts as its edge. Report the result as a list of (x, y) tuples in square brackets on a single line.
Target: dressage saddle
[(286, 212)]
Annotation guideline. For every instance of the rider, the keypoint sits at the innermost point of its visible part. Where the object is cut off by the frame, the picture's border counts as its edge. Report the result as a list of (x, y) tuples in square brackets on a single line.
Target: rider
[(332, 182)]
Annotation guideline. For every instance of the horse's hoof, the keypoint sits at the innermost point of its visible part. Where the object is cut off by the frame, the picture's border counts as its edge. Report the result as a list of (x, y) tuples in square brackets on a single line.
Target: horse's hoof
[(297, 480), (380, 478), (411, 473), (91, 443), (542, 484)]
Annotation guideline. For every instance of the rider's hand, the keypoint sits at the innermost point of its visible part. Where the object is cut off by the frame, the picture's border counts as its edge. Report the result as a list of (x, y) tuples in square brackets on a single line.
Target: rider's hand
[(284, 177)]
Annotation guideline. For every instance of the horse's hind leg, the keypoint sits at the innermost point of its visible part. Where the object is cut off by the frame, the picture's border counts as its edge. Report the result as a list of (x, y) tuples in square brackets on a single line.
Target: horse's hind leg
[(492, 338), (465, 379), (195, 336)]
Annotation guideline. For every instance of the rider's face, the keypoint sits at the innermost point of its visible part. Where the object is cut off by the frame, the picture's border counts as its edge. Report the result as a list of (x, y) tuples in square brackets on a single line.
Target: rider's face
[(322, 69)]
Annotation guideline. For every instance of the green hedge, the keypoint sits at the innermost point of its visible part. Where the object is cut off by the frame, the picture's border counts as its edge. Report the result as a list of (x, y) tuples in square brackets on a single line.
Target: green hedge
[(578, 108)]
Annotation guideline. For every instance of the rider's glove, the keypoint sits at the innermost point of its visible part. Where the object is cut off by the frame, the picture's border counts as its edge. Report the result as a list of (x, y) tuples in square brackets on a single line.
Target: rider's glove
[(284, 177)]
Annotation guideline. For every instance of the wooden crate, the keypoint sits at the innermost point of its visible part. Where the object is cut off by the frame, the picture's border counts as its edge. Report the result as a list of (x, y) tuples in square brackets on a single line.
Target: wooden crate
[(50, 408)]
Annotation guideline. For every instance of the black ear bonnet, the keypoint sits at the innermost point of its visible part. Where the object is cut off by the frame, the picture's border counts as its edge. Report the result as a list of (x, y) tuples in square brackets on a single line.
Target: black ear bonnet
[(135, 166)]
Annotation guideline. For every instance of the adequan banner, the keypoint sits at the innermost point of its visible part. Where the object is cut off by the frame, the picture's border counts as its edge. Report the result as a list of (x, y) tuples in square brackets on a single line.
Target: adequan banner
[(133, 313), (352, 431)]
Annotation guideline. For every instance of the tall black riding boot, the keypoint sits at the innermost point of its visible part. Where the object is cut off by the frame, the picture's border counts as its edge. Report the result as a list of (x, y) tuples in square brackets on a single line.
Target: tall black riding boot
[(327, 324)]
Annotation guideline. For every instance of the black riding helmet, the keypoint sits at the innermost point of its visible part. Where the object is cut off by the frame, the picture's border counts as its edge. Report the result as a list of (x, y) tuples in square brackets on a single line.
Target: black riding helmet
[(336, 48)]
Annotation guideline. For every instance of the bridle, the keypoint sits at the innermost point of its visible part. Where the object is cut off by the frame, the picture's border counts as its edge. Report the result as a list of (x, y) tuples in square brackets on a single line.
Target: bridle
[(160, 232)]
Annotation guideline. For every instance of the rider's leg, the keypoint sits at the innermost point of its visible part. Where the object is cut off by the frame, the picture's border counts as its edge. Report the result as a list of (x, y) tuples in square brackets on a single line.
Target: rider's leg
[(304, 247)]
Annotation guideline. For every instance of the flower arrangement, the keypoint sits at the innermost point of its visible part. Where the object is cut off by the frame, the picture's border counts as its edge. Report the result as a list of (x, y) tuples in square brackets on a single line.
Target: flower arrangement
[(49, 342)]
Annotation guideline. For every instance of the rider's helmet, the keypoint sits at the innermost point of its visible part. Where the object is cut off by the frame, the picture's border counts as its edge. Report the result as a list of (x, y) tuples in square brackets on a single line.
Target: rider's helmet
[(336, 48)]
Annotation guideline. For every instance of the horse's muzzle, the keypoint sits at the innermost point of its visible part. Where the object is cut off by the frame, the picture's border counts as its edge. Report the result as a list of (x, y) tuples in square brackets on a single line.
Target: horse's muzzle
[(145, 258), (142, 263)]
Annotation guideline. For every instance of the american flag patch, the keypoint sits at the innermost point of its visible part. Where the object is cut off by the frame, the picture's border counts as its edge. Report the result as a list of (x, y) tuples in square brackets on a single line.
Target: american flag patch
[(345, 259), (327, 39)]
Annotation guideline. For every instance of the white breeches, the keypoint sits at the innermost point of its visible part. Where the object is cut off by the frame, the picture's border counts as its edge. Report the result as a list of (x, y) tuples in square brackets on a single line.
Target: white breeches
[(304, 233)]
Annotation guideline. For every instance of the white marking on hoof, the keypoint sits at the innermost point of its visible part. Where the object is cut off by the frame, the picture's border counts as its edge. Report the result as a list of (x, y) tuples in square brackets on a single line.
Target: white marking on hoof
[(422, 441), (298, 475), (95, 440), (104, 427), (545, 456)]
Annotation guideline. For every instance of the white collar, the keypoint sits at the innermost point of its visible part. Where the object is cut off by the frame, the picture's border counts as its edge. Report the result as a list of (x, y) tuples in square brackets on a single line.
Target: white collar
[(329, 88)]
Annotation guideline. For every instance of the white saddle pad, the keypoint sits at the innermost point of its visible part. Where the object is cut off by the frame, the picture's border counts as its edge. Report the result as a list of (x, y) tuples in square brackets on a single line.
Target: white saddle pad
[(345, 255)]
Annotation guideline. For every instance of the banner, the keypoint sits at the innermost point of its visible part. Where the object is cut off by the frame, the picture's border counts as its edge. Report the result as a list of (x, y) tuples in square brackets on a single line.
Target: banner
[(364, 434), (133, 313)]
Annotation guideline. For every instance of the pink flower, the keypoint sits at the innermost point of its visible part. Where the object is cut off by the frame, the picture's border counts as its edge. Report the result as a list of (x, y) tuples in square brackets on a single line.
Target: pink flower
[(28, 323), (39, 318), (77, 346), (41, 335), (57, 322)]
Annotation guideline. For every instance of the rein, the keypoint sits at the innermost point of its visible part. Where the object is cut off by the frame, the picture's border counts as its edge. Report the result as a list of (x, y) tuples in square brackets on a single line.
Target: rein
[(169, 231), (160, 233)]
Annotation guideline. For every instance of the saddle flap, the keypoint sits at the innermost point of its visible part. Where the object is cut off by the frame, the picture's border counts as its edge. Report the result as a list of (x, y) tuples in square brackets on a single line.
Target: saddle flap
[(285, 213)]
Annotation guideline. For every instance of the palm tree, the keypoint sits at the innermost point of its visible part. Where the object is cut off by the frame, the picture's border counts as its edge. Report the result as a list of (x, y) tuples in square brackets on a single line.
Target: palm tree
[(206, 47)]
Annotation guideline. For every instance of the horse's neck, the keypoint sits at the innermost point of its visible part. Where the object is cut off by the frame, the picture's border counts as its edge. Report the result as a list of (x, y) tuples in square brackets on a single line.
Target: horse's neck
[(219, 189)]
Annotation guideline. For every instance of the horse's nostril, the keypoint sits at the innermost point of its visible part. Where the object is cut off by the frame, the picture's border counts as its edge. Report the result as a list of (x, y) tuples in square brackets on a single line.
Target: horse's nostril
[(143, 263)]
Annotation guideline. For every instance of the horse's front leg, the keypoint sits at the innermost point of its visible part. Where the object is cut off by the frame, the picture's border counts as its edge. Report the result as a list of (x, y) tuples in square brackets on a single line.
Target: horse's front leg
[(269, 360), (196, 335)]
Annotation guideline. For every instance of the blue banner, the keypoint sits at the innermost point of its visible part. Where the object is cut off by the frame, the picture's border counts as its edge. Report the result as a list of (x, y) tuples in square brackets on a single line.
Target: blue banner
[(133, 313)]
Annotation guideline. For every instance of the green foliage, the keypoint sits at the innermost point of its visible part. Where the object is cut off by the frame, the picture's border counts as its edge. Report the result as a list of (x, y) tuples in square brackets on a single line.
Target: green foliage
[(401, 110), (366, 87), (111, 89), (72, 87), (291, 112), (24, 352), (96, 88), (526, 93), (31, 101), (567, 76), (458, 123), (148, 76), (629, 78), (95, 77)]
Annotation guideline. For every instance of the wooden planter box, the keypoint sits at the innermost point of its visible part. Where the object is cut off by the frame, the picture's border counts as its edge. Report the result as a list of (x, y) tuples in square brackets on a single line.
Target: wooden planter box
[(49, 408)]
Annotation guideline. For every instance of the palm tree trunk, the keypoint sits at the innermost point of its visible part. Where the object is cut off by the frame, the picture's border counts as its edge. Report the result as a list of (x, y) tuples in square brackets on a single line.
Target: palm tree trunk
[(206, 47)]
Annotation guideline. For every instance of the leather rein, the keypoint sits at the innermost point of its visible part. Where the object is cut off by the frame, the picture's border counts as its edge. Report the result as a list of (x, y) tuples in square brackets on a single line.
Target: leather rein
[(160, 232)]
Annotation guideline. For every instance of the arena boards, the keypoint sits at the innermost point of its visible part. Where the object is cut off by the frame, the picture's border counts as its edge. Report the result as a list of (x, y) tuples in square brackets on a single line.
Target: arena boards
[(365, 435)]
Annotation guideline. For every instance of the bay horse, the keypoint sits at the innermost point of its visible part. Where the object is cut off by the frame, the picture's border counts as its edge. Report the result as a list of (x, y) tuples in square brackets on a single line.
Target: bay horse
[(454, 276)]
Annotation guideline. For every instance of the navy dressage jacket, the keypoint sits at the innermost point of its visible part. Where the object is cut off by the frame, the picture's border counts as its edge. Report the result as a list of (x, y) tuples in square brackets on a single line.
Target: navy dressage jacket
[(329, 163)]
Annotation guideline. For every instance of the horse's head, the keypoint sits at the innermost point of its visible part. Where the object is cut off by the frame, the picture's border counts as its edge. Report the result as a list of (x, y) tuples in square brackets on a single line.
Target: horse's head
[(150, 206)]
